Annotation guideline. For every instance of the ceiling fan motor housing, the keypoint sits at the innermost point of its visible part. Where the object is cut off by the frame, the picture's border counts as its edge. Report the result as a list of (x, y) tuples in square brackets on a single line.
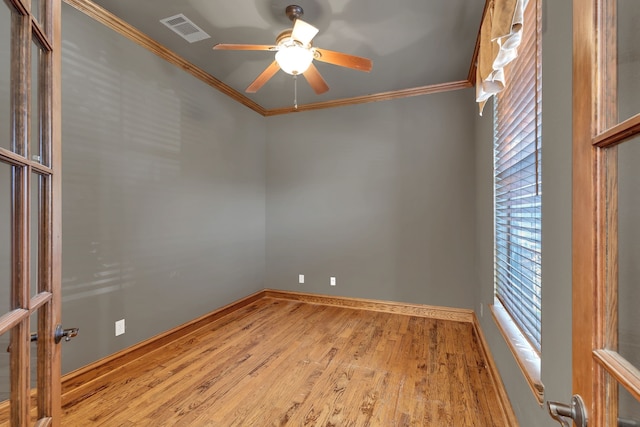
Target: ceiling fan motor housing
[(294, 12)]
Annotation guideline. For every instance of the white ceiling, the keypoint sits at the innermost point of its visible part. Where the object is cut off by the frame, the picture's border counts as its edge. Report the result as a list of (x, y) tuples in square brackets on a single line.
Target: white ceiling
[(412, 43)]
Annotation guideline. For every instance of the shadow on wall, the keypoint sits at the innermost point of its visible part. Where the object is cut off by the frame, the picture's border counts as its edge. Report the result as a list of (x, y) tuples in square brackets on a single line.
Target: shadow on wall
[(164, 189)]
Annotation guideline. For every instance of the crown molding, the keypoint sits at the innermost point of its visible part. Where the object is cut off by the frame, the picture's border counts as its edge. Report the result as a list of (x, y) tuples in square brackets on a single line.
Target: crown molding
[(120, 26)]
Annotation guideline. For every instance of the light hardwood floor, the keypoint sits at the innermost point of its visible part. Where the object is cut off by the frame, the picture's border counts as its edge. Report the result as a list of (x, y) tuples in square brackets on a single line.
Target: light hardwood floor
[(284, 362)]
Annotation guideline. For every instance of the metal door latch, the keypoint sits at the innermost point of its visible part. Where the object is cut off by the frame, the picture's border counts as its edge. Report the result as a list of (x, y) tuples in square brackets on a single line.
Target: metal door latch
[(67, 334), (59, 334), (33, 338), (563, 413)]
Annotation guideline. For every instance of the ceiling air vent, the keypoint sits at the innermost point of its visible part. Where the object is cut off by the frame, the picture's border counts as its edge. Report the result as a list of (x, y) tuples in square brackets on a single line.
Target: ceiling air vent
[(185, 28)]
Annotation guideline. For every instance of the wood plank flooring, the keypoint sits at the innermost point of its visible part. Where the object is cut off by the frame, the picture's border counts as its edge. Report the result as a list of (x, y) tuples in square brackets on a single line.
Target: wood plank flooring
[(279, 362)]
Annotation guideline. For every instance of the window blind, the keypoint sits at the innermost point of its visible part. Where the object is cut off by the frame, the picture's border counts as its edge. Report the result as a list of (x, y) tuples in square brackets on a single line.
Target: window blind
[(518, 184)]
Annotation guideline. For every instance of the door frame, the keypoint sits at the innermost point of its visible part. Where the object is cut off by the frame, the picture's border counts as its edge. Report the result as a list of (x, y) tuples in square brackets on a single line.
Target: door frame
[(583, 202), (597, 368)]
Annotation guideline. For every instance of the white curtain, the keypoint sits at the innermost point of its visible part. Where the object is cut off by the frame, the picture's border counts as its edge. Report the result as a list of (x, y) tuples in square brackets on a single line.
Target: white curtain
[(500, 36)]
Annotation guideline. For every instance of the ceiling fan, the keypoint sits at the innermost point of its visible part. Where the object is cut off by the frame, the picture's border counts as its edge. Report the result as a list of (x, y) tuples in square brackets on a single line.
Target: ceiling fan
[(295, 54)]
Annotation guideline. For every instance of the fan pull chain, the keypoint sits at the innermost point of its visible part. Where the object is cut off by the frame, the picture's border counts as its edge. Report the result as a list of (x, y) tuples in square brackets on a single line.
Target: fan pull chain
[(295, 91)]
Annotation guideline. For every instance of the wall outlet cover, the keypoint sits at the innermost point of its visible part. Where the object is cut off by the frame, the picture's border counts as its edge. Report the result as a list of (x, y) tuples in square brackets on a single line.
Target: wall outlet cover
[(300, 278), (120, 327), (332, 281)]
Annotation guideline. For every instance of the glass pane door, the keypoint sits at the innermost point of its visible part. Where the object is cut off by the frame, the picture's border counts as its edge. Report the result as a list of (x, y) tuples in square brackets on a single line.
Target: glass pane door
[(617, 352), (29, 263), (629, 252), (628, 59), (5, 76)]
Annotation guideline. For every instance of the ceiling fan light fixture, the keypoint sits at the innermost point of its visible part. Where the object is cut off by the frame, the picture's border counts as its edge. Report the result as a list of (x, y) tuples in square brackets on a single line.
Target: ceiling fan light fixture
[(294, 59), (295, 54)]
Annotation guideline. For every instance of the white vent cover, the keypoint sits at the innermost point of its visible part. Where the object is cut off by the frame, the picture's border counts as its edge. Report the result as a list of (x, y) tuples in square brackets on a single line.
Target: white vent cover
[(185, 28)]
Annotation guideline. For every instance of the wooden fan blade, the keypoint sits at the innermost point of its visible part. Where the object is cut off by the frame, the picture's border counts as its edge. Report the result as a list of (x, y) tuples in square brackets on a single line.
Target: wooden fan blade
[(269, 72), (343, 59), (303, 32), (227, 46), (315, 80)]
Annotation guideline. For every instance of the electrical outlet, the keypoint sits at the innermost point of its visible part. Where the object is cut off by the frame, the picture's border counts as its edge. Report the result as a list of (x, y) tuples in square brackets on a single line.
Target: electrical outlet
[(301, 278), (120, 327), (332, 281), (481, 310)]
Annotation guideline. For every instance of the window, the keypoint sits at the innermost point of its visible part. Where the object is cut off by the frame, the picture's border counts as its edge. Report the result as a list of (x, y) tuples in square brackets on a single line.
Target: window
[(518, 195)]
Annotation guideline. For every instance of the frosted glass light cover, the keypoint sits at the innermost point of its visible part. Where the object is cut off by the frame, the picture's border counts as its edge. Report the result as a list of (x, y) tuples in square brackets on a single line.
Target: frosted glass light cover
[(294, 59)]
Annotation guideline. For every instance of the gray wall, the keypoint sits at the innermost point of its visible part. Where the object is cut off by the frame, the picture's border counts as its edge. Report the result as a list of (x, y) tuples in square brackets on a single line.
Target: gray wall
[(380, 195), (163, 193), (556, 227)]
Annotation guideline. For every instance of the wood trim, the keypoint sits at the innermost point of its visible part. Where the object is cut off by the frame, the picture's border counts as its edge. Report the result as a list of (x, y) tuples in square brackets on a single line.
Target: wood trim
[(620, 369), (583, 203), (40, 168), (11, 319), (21, 6), (53, 315), (383, 96), (41, 37), (433, 312), (121, 27), (503, 397), (19, 160), (20, 248), (39, 300), (618, 133), (523, 353), (118, 360), (471, 77), (606, 388), (12, 158), (605, 115)]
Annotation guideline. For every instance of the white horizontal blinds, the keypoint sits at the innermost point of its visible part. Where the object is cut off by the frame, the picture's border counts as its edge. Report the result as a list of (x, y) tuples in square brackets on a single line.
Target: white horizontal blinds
[(518, 191)]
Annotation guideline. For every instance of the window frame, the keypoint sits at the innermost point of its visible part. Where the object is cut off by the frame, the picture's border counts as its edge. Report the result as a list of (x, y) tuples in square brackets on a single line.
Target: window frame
[(523, 345)]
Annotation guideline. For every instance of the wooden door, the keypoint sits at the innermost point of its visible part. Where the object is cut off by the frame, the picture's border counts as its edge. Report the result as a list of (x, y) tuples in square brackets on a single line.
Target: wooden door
[(606, 210), (29, 212)]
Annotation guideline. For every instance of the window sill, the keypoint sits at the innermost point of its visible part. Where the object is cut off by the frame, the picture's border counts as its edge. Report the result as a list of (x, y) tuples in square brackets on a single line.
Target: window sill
[(526, 357)]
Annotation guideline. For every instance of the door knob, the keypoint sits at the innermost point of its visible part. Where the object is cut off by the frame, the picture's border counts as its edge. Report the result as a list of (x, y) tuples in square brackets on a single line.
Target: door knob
[(563, 413)]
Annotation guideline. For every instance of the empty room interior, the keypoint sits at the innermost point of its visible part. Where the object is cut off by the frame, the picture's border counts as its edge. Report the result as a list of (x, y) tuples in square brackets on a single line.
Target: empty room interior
[(296, 254)]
